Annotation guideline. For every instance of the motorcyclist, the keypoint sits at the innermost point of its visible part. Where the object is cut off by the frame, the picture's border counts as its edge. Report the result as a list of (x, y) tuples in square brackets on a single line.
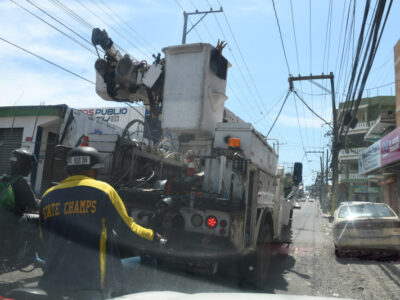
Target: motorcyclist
[(17, 196), (80, 219)]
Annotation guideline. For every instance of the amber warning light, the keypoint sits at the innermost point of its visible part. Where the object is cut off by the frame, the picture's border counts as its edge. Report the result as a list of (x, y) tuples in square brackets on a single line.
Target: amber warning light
[(234, 143)]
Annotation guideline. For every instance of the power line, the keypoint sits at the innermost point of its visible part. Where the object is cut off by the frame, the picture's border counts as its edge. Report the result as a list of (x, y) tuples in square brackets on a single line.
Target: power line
[(108, 25), (301, 135), (301, 99), (279, 113), (55, 28), (61, 23), (119, 24), (374, 38), (274, 103), (204, 24), (295, 39), (129, 26), (241, 55), (78, 18), (195, 29), (46, 60), (72, 14), (310, 41), (237, 63), (280, 34)]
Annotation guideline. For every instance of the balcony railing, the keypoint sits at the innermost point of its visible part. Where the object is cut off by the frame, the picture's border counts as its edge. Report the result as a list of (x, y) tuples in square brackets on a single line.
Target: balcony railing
[(362, 126)]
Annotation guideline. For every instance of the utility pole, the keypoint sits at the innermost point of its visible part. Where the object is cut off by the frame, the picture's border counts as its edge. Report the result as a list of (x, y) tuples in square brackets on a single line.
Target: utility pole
[(322, 180), (326, 177), (186, 16), (322, 176), (335, 129)]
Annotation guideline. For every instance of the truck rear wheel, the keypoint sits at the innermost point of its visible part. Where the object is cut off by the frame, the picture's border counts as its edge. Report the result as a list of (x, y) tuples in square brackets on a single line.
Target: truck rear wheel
[(263, 256)]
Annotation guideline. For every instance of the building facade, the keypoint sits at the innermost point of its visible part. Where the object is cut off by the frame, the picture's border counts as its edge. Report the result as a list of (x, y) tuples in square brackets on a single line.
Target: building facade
[(381, 160), (374, 115), (40, 129)]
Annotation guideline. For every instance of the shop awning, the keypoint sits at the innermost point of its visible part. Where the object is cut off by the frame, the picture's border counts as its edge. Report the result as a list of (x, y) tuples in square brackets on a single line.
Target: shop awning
[(375, 131)]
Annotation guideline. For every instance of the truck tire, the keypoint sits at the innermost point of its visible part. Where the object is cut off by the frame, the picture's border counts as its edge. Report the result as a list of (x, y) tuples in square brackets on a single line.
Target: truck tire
[(263, 256)]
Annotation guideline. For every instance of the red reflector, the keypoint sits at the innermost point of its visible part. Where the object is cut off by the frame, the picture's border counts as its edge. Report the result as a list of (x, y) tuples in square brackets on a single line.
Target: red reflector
[(222, 231), (222, 223), (211, 222)]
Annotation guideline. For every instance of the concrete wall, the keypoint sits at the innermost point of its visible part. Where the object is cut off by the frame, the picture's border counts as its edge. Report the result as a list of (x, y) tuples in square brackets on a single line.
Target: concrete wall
[(29, 125)]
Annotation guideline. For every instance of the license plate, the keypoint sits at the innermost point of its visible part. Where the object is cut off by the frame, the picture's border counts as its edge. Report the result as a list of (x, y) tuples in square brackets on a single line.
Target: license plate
[(370, 232)]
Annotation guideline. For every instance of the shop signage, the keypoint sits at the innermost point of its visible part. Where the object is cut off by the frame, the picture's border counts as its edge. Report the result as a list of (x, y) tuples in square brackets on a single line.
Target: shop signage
[(382, 153), (390, 150), (370, 158)]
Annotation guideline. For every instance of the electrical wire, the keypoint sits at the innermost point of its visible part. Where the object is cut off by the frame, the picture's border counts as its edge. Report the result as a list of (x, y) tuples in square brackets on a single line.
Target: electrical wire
[(46, 60), (79, 19), (376, 41), (259, 105), (72, 14), (109, 26), (301, 135), (119, 24), (61, 23), (130, 27), (279, 113), (280, 34), (301, 99), (274, 103), (241, 55), (372, 45), (295, 39), (55, 28), (191, 23), (204, 24)]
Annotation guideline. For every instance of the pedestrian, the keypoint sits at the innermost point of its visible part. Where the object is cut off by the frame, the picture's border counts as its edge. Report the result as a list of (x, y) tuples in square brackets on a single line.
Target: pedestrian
[(80, 219)]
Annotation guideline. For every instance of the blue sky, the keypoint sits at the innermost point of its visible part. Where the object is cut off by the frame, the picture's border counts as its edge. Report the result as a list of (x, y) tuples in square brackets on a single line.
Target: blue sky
[(258, 77)]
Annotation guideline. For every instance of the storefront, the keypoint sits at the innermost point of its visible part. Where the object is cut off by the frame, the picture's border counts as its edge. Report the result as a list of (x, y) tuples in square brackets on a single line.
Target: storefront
[(382, 161)]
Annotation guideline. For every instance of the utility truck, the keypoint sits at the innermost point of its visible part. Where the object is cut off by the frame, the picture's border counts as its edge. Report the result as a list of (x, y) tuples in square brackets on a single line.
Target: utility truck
[(219, 183)]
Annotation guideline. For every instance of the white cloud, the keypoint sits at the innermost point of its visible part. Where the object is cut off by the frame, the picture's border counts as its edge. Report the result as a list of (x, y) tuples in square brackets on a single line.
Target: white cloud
[(49, 87)]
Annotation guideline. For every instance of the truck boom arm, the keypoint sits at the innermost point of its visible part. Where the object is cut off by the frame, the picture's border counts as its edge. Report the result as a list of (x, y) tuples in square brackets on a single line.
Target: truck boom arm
[(123, 78)]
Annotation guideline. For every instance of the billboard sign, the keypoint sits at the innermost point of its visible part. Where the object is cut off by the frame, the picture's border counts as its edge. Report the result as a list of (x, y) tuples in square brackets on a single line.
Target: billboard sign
[(382, 153), (118, 116), (390, 150), (370, 158)]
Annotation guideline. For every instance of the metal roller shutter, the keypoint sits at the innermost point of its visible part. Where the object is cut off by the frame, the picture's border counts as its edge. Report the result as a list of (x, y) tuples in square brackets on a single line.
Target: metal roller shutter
[(10, 139)]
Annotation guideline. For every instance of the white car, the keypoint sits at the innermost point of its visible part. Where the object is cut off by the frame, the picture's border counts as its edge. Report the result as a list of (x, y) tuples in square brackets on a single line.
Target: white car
[(365, 226)]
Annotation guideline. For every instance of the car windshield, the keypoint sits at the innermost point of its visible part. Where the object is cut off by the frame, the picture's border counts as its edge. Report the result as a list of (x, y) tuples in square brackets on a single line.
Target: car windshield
[(365, 211)]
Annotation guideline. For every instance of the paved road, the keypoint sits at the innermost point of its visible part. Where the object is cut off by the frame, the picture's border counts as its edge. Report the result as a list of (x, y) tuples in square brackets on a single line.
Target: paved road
[(311, 268)]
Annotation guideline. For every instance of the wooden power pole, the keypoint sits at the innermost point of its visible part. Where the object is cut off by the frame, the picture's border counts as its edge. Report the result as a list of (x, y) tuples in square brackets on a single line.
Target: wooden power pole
[(335, 129)]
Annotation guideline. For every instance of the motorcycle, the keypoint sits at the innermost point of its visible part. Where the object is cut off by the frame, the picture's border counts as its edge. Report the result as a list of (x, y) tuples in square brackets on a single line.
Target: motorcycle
[(21, 245)]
